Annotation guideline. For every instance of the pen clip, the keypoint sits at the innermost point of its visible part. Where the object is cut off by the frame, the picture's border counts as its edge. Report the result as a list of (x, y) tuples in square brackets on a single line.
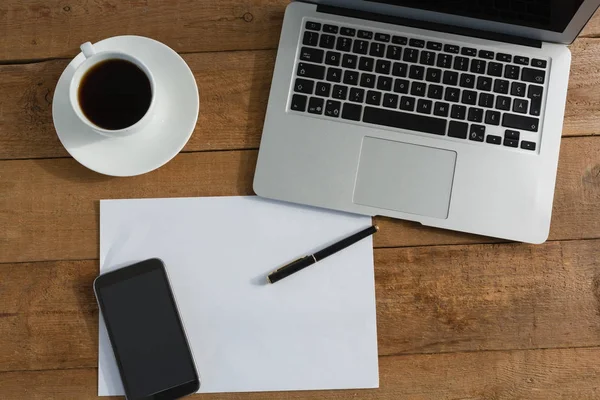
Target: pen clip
[(290, 263)]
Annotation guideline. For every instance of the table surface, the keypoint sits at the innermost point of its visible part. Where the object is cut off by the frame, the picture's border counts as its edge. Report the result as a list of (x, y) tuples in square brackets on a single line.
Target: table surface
[(459, 316)]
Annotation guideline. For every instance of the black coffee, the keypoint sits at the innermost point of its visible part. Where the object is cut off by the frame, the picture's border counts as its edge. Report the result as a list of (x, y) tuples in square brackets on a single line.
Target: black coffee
[(115, 94)]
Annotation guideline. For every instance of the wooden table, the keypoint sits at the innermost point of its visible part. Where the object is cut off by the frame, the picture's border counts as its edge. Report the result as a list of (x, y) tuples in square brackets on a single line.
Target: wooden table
[(459, 316)]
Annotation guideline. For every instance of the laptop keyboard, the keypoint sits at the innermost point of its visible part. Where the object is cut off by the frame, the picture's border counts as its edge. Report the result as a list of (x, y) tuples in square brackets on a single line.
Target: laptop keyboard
[(420, 85)]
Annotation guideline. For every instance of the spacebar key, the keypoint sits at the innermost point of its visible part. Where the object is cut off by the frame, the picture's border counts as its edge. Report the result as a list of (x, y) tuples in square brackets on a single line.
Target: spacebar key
[(396, 119)]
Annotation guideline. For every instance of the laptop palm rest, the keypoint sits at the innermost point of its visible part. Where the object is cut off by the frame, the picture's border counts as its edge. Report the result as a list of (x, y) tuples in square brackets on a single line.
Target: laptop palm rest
[(405, 177)]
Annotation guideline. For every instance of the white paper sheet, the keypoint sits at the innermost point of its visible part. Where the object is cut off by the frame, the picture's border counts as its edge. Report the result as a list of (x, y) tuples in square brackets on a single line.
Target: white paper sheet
[(313, 330)]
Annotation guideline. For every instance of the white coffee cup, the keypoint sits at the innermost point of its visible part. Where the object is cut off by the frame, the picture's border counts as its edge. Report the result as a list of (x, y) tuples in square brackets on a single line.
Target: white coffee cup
[(92, 58)]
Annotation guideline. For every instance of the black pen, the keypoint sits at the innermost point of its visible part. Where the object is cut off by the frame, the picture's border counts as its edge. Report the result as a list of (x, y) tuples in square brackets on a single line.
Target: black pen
[(305, 261)]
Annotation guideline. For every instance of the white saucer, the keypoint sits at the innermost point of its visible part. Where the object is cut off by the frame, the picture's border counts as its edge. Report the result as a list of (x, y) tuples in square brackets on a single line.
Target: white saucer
[(176, 113)]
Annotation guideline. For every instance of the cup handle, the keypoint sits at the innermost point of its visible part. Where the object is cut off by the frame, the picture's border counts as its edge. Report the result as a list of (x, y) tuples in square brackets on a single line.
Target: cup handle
[(87, 49)]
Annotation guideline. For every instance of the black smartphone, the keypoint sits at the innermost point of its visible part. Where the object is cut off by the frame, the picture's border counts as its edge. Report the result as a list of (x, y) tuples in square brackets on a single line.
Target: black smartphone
[(146, 332)]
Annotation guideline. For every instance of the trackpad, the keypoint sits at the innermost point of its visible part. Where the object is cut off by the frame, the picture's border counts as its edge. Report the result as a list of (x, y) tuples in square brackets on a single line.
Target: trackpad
[(405, 177)]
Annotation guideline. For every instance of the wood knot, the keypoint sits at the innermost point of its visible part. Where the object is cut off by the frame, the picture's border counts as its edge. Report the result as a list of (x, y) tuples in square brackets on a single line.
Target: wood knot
[(248, 17), (66, 8)]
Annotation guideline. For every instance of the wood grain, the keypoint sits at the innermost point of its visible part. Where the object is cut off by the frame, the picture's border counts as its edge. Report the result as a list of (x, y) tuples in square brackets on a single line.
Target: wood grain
[(429, 300), (533, 375), (42, 223)]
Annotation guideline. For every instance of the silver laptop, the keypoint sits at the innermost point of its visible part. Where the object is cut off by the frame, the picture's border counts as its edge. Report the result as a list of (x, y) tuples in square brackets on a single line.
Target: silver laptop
[(448, 113)]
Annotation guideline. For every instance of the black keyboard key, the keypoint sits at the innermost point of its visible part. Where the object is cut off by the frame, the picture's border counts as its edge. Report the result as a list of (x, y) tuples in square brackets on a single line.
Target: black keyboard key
[(377, 49), (382, 37), (461, 63), (477, 132), (299, 102), (310, 38), (536, 107), (402, 120), (401, 40), (373, 97), (401, 86), (458, 112), (332, 108), (493, 139), (330, 28), (441, 109), (332, 58), (501, 86), (433, 75), (323, 89), (315, 105), (339, 92), (367, 80), (357, 95), (417, 89), (365, 34), (468, 51), (538, 63), (527, 145), (452, 94), (394, 52), (467, 81), (510, 134), (533, 75), (390, 100), (469, 97), (311, 71), (492, 117), (511, 143), (383, 67), (478, 66), (303, 86), (311, 54), (450, 48), (349, 61), (486, 100), (416, 72), (475, 114), (334, 74), (399, 69), (411, 55), (360, 47), (484, 83), (424, 106), (366, 64), (494, 69), (486, 54), (458, 129), (343, 44), (511, 72), (313, 26), (520, 122), (503, 103), (521, 60), (450, 78), (348, 32), (384, 83), (444, 61), (416, 43), (407, 103), (517, 89), (435, 92), (351, 111), (327, 41), (503, 57), (434, 46), (427, 57), (535, 92), (351, 77), (520, 106)]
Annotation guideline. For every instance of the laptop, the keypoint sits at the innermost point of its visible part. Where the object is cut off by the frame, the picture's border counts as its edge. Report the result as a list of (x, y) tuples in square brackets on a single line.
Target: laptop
[(447, 113)]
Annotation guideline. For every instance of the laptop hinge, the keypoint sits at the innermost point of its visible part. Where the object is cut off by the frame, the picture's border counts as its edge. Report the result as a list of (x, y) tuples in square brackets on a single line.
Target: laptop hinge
[(432, 26)]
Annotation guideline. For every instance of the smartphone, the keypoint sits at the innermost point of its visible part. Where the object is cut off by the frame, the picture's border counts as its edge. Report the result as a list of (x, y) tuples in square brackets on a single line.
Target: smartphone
[(146, 332)]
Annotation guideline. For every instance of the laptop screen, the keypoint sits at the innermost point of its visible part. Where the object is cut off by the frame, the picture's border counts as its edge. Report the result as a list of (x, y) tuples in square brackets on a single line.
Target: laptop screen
[(550, 15)]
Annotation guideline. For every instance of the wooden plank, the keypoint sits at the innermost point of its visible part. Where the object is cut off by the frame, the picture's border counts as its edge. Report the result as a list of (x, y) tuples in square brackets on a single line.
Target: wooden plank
[(42, 223), (429, 300), (38, 29), (533, 375), (234, 88)]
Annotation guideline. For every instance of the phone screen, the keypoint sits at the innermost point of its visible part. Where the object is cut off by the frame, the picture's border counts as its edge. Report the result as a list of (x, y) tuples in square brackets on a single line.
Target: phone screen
[(146, 332)]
